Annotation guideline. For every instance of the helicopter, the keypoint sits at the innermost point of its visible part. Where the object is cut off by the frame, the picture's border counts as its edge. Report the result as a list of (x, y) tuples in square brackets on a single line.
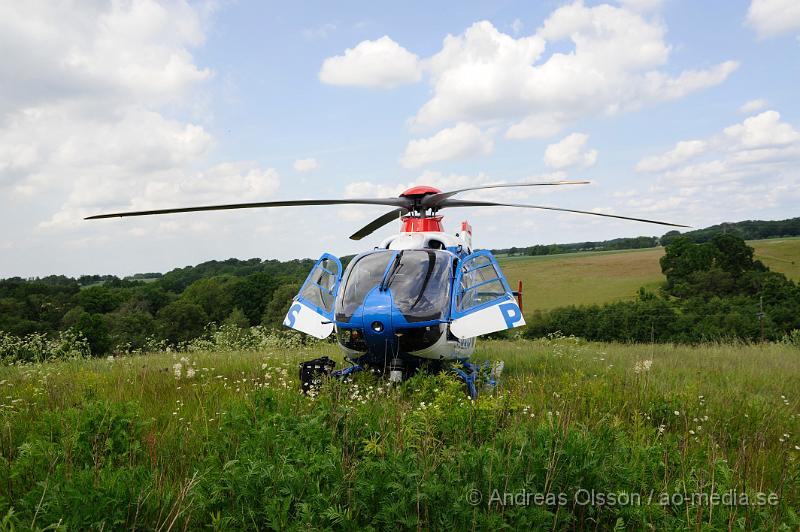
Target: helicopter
[(417, 300)]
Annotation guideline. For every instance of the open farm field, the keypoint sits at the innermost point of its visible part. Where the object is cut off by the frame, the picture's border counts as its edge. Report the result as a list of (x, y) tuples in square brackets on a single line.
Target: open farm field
[(578, 435), (552, 281)]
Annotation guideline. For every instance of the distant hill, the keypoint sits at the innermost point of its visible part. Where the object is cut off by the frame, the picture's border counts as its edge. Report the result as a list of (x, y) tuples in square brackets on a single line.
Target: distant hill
[(602, 277), (748, 230)]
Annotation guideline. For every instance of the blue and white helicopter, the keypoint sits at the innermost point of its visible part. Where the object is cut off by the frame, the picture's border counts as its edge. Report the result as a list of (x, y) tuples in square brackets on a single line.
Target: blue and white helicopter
[(417, 300)]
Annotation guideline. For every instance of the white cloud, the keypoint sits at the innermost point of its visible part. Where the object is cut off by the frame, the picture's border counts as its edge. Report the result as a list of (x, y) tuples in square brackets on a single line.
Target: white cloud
[(381, 63), (224, 183), (750, 167), (460, 141), (683, 151), (761, 138), (484, 75), (479, 75), (82, 126), (570, 152), (642, 5), (770, 18), (136, 53), (51, 144), (538, 126), (752, 106), (762, 131), (659, 86), (517, 26), (306, 165)]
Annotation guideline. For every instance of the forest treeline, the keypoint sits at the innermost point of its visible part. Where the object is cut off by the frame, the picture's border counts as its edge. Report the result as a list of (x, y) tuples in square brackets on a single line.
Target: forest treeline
[(714, 290), (747, 230), (114, 313)]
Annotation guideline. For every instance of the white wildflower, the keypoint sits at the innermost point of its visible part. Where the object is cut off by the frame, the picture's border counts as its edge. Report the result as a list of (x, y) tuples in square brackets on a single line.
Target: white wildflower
[(177, 370), (642, 366)]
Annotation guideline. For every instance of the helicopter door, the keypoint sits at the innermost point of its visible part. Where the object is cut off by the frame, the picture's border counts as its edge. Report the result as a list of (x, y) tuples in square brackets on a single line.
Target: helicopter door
[(482, 300), (312, 309)]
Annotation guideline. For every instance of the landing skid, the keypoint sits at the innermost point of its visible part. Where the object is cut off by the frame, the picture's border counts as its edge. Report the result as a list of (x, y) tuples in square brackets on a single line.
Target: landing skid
[(477, 377), (486, 374)]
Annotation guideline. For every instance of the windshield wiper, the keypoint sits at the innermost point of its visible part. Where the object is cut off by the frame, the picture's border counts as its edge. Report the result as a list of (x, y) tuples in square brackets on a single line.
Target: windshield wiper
[(392, 271), (428, 273)]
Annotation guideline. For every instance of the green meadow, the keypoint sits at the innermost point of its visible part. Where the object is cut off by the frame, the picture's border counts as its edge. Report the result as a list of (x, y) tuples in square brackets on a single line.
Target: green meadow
[(552, 281), (577, 436)]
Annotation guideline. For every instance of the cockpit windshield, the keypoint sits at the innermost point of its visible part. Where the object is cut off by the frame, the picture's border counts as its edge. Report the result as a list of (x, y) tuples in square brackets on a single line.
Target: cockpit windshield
[(419, 281), (420, 284), (362, 275)]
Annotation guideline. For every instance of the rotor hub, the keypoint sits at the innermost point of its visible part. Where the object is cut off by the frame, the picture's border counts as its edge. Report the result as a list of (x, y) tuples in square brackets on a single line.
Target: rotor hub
[(419, 191)]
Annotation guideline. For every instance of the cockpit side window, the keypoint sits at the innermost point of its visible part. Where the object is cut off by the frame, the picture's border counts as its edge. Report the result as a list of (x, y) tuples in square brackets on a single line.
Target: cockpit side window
[(319, 289), (362, 275)]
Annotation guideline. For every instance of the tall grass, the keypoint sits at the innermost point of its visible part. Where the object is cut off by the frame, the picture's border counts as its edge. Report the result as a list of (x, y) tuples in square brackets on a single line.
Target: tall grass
[(223, 439)]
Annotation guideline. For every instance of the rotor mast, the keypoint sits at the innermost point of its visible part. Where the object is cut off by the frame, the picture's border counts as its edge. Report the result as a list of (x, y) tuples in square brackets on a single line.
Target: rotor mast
[(418, 220)]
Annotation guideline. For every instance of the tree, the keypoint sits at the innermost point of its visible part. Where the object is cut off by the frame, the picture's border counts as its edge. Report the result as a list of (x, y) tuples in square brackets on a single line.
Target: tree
[(237, 318), (733, 255), (152, 297), (131, 324), (93, 326), (212, 296), (182, 320), (682, 259), (252, 293), (97, 299), (279, 305)]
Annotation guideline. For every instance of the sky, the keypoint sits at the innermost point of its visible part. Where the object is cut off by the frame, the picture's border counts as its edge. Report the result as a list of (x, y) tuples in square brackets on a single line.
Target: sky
[(674, 110)]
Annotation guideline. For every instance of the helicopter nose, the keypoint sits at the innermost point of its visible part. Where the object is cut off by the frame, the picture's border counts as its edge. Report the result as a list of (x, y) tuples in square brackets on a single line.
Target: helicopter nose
[(378, 330)]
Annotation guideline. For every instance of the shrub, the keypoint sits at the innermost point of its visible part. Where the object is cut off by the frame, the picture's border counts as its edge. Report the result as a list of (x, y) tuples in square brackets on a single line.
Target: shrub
[(37, 347)]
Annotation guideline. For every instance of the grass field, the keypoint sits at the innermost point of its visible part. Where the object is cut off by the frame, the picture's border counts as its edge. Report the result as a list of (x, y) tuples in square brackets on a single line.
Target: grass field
[(601, 277), (172, 441)]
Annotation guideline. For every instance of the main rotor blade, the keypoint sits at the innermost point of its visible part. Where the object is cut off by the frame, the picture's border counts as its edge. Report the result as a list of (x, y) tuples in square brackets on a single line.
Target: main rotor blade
[(460, 203), (377, 223), (395, 202), (436, 199)]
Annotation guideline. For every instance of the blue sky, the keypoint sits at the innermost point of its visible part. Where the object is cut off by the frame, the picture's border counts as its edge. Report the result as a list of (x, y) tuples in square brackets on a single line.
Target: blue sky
[(681, 111)]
